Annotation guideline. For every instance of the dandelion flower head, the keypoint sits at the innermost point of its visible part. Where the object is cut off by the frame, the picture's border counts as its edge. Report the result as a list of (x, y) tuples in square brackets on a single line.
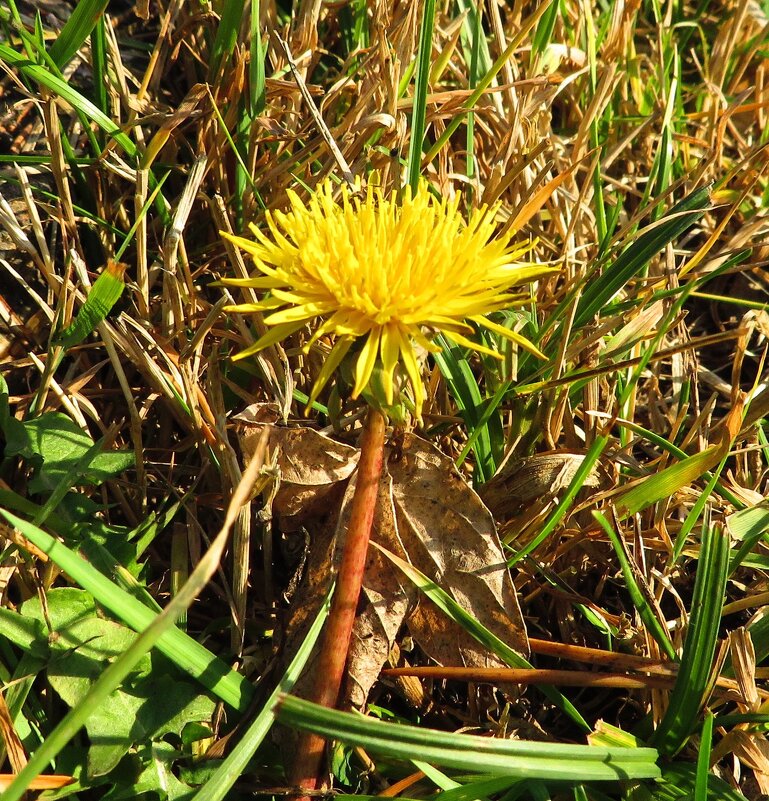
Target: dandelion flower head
[(388, 271)]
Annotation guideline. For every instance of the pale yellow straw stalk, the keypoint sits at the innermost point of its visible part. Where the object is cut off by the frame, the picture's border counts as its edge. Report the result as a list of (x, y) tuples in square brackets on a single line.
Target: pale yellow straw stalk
[(390, 271)]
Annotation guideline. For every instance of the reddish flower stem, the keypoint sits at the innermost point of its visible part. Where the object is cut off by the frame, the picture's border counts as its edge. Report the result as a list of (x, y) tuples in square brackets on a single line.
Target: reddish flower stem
[(329, 671)]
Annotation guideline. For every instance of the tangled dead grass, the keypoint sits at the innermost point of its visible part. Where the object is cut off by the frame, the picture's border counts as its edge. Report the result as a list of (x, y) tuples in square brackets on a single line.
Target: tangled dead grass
[(588, 131)]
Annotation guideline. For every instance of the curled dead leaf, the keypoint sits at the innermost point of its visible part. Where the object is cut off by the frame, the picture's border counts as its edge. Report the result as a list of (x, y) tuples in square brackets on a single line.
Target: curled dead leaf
[(309, 464), (522, 481)]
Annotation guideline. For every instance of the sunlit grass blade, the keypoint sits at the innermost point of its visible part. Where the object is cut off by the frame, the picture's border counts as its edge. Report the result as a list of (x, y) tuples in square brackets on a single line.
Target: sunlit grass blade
[(45, 78), (230, 19), (649, 242), (118, 670), (78, 26), (103, 295), (748, 527), (701, 792), (99, 61), (521, 33), (544, 32), (690, 691), (256, 73), (485, 429), (481, 755), (421, 88), (667, 482)]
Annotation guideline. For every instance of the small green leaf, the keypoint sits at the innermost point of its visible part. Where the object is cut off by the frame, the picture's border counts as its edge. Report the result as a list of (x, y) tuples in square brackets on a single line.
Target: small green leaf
[(104, 294)]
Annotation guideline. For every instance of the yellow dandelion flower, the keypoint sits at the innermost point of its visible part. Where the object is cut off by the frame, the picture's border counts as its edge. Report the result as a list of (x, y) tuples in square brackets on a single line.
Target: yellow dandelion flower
[(389, 272)]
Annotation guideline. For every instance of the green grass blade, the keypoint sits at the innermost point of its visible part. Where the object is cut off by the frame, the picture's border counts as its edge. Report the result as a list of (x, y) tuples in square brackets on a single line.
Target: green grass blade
[(649, 242), (103, 295), (645, 611), (99, 62), (485, 755), (748, 527), (180, 648), (583, 471), (692, 682), (115, 673), (703, 760), (226, 35), (484, 84), (485, 428), (544, 32), (666, 483), (256, 74), (44, 77), (421, 88), (76, 30)]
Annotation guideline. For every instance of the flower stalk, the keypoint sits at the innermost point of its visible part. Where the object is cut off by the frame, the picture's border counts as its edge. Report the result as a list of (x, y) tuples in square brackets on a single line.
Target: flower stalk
[(329, 673)]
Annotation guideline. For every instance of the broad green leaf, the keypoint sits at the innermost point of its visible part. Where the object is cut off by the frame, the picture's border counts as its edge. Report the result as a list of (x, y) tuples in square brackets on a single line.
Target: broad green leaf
[(19, 629), (55, 445), (117, 671), (183, 650), (157, 779), (158, 703)]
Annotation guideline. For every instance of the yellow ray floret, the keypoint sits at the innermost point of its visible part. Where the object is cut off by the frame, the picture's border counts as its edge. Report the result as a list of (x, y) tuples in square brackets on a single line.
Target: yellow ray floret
[(391, 272)]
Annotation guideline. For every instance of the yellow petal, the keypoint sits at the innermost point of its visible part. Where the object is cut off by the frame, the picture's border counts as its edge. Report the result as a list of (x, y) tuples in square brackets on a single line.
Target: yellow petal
[(293, 314), (338, 352), (511, 335), (470, 345), (270, 338), (364, 366)]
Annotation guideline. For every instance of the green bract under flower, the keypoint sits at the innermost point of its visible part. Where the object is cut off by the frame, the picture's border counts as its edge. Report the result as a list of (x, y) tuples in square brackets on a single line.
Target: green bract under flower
[(390, 272)]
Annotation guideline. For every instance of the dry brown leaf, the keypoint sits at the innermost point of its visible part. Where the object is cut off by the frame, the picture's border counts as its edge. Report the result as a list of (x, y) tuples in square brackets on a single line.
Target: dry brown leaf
[(309, 464), (522, 481), (450, 536), (426, 513)]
